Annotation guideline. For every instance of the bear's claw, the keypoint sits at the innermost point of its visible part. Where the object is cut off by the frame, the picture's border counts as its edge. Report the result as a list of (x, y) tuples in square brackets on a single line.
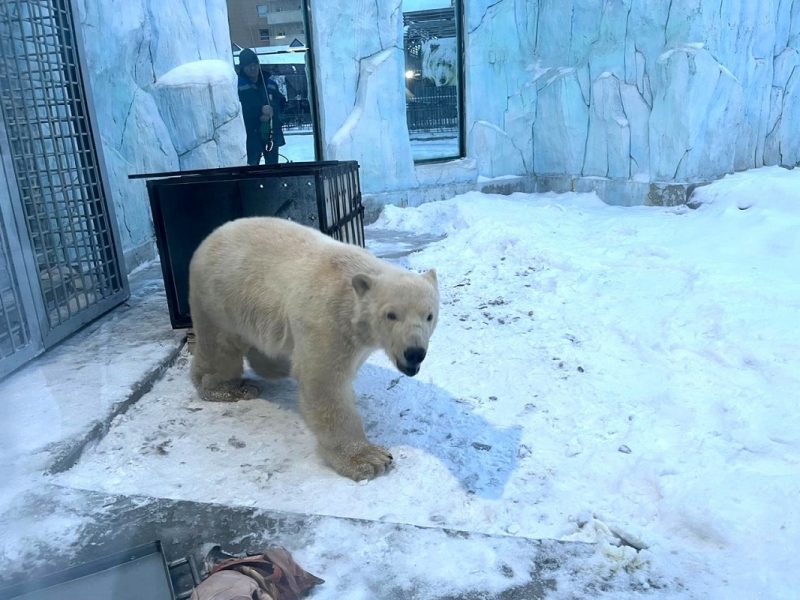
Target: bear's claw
[(364, 461)]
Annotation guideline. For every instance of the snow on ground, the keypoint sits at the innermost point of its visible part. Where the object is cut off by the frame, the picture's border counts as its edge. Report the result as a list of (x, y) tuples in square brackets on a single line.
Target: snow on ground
[(47, 402), (626, 376), (299, 147)]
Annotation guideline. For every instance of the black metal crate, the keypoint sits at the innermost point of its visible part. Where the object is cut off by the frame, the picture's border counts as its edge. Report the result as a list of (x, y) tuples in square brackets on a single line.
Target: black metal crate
[(140, 572), (188, 205)]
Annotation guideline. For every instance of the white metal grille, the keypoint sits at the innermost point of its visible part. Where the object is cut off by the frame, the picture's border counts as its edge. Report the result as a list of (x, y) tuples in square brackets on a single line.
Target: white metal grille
[(55, 167)]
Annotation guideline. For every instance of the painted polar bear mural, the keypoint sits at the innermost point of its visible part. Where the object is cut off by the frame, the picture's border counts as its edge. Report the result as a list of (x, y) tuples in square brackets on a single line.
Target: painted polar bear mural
[(440, 61)]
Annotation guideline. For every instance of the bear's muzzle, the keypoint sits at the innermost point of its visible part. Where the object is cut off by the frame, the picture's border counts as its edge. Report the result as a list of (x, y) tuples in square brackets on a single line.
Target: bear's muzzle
[(413, 358)]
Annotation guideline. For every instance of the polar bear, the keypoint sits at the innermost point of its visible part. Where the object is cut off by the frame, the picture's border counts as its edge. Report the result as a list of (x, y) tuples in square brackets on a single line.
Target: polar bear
[(297, 302), (439, 62)]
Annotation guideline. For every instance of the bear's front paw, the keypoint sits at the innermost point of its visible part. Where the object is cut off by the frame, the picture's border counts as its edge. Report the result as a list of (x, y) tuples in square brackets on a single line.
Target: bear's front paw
[(360, 461), (248, 389), (228, 391)]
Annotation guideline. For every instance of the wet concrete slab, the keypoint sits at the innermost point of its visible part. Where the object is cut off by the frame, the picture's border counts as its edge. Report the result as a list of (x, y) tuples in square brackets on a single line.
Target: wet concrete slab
[(64, 399), (356, 558)]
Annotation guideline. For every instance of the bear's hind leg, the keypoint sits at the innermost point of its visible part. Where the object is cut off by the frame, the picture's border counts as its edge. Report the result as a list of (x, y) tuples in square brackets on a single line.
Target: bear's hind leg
[(217, 365), (268, 367)]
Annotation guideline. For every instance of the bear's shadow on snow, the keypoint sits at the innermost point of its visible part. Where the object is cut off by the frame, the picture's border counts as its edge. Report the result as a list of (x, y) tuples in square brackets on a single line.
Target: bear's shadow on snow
[(401, 411)]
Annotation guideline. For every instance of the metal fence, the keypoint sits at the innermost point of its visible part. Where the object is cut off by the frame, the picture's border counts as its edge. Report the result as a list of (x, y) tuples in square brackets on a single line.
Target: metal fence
[(433, 109), (293, 83), (15, 334), (56, 209), (297, 115)]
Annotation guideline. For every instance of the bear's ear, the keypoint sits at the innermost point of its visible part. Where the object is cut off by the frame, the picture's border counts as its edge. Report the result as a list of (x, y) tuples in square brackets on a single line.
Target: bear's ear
[(362, 283), (434, 47), (430, 274)]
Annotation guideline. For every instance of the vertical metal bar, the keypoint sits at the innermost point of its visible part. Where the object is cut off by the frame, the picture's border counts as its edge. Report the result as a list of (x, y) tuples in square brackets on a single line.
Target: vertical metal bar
[(19, 159), (360, 204), (54, 169), (18, 256), (345, 202), (92, 194), (9, 301), (100, 162), (340, 205), (81, 246), (316, 115), (462, 76)]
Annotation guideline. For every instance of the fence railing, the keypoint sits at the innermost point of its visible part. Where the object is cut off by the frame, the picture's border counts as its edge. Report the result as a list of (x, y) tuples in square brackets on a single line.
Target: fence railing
[(434, 110), (301, 122), (297, 116)]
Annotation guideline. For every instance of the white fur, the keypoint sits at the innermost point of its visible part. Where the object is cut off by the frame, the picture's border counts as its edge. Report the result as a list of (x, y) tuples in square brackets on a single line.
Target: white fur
[(439, 61), (299, 303)]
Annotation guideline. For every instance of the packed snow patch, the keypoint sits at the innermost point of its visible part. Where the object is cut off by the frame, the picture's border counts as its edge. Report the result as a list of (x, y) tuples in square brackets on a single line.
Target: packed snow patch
[(621, 376)]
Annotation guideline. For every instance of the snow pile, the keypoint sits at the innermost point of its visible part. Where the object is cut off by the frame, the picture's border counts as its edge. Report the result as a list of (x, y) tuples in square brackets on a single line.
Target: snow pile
[(621, 376), (200, 72)]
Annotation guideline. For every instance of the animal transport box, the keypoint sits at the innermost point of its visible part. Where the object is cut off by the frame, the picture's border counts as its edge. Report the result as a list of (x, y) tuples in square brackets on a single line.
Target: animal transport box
[(133, 574), (188, 205)]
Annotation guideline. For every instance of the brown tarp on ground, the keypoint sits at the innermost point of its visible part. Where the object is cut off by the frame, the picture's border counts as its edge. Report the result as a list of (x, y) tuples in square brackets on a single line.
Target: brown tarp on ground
[(271, 575)]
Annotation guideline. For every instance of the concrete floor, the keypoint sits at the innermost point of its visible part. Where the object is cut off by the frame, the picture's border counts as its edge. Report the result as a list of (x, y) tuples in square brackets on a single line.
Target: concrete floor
[(111, 523)]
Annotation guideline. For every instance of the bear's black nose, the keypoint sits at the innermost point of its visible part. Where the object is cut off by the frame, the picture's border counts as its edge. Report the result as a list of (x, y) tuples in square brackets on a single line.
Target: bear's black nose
[(414, 356)]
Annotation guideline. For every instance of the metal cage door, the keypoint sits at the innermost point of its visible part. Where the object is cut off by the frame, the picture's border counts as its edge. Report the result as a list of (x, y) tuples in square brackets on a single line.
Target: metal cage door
[(20, 339), (58, 224)]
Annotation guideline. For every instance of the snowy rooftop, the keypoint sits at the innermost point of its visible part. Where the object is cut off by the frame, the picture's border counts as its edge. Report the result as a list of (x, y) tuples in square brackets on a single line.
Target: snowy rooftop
[(625, 377)]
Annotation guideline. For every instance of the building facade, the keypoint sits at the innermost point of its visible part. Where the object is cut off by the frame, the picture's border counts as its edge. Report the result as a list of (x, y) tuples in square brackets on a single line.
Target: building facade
[(258, 23)]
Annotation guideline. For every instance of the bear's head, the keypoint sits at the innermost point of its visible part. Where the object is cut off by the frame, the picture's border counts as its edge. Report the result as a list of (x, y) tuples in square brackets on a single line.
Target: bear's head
[(439, 62), (401, 312)]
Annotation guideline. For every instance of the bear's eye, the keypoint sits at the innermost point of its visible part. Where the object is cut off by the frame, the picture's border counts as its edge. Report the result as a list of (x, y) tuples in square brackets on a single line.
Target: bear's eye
[(391, 316), (430, 316)]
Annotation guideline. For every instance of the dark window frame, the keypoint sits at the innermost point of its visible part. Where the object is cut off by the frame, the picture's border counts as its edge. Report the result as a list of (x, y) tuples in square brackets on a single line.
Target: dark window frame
[(460, 26)]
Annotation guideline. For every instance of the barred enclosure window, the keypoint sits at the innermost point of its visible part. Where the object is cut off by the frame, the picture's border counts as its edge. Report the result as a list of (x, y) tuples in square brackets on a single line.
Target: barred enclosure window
[(433, 80), (14, 329)]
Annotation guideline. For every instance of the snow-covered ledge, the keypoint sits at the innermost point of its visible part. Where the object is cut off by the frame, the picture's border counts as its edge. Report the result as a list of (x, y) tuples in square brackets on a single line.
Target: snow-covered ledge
[(186, 96)]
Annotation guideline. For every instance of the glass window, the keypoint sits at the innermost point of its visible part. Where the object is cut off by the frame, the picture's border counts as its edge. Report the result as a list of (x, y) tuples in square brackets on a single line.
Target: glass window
[(291, 72), (432, 42), (262, 11)]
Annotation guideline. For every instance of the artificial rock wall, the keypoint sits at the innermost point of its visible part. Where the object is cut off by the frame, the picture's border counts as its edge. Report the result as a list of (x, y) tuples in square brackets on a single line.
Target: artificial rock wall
[(360, 67), (652, 90), (614, 95), (165, 98), (619, 96)]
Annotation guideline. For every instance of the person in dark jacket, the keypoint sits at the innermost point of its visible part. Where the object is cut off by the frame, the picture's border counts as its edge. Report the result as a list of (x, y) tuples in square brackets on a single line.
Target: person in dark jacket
[(262, 110)]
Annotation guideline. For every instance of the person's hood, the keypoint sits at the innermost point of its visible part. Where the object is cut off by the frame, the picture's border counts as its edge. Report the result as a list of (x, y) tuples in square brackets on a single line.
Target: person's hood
[(247, 57)]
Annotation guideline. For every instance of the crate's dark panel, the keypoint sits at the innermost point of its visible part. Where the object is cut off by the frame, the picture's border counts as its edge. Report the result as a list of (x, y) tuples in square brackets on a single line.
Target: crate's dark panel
[(288, 197), (188, 206), (133, 574), (184, 215)]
